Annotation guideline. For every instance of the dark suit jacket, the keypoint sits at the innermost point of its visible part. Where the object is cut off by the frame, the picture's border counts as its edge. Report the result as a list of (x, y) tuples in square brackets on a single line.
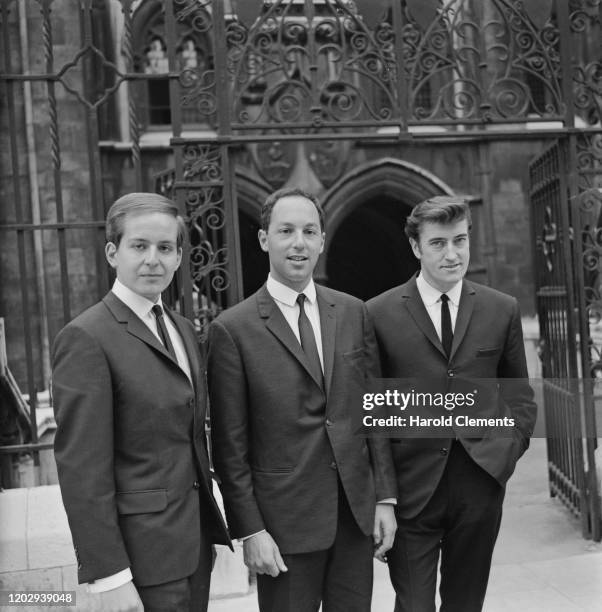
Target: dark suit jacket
[(487, 343), (130, 447), (277, 449)]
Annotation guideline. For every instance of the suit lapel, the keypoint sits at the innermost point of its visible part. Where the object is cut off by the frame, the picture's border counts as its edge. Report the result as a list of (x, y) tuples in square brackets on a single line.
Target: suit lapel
[(328, 325), (277, 325), (465, 309), (134, 325), (413, 302), (415, 306)]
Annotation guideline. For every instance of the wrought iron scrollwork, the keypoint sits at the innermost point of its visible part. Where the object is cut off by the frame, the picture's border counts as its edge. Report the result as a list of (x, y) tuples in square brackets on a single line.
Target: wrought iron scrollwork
[(485, 62), (202, 163), (311, 66), (589, 161), (549, 239), (589, 208), (587, 72), (204, 202)]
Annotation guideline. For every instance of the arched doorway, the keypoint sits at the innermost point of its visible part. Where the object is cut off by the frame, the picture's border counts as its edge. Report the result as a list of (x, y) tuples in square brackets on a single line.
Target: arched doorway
[(367, 251)]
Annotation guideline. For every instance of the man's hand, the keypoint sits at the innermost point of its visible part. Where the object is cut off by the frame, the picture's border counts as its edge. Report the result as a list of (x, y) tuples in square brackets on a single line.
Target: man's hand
[(122, 599), (261, 555), (385, 527)]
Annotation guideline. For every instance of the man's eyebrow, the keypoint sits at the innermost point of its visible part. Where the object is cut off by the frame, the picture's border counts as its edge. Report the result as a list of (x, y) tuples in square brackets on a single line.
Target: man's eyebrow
[(435, 238)]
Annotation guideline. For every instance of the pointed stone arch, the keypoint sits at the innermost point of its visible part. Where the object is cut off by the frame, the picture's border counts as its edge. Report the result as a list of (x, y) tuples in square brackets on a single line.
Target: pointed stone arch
[(366, 249), (387, 175)]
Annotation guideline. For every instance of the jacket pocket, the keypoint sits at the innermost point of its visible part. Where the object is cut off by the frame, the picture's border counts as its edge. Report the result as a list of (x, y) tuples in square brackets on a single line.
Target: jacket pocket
[(275, 470), (141, 502), (488, 352), (355, 359)]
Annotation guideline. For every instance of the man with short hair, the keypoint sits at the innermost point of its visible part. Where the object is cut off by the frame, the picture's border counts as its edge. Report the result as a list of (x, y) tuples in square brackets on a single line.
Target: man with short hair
[(300, 488), (439, 327), (129, 400)]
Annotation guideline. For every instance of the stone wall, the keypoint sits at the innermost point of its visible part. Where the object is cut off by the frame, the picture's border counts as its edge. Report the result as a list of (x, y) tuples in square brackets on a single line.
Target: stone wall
[(36, 552)]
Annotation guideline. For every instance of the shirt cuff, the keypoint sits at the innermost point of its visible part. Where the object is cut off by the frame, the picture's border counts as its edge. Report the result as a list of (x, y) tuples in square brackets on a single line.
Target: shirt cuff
[(251, 535), (388, 500), (110, 582)]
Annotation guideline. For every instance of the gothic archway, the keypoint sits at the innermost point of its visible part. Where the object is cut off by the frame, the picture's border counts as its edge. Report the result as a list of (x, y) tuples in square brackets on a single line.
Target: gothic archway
[(367, 251)]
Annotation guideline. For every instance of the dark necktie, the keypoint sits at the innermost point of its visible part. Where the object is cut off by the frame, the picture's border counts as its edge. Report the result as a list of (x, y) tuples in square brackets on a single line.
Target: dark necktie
[(447, 334), (162, 329), (308, 341)]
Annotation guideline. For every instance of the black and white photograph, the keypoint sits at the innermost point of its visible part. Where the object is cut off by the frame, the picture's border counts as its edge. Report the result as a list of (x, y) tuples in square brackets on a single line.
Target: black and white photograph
[(301, 305)]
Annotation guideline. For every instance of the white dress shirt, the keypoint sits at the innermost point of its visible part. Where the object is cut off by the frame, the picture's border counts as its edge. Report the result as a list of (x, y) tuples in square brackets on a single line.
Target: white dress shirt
[(431, 299), (142, 308)]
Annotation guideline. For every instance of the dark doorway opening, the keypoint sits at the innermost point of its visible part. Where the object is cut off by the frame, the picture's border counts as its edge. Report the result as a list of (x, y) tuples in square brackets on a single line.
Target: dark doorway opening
[(369, 253), (254, 262)]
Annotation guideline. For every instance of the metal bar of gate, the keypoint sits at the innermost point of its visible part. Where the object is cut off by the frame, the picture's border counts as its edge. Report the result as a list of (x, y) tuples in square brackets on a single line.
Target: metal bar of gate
[(184, 273), (591, 510), (224, 113), (94, 162), (56, 161)]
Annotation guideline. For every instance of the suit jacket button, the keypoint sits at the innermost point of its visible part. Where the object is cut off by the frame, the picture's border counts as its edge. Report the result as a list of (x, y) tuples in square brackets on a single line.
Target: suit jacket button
[(196, 484), (450, 373), (328, 422), (333, 465), (443, 451)]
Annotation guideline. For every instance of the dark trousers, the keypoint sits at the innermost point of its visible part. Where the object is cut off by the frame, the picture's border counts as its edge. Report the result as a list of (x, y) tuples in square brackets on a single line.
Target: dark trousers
[(340, 577), (190, 594), (460, 523)]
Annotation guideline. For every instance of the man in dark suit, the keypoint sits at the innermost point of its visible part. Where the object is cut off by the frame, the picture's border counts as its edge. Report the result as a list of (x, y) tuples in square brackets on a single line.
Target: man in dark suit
[(299, 487), (129, 399), (440, 327)]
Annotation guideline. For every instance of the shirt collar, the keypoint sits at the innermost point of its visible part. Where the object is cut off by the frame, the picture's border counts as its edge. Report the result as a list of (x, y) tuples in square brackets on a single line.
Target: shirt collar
[(140, 305), (431, 296), (288, 296)]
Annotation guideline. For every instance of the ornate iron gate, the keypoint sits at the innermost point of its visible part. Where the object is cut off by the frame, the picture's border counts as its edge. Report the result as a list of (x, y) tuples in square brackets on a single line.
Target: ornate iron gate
[(566, 245)]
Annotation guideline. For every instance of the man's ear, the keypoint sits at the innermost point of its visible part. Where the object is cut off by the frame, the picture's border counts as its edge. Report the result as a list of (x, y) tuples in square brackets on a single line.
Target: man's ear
[(110, 250), (415, 248), (179, 257), (323, 241), (263, 240)]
